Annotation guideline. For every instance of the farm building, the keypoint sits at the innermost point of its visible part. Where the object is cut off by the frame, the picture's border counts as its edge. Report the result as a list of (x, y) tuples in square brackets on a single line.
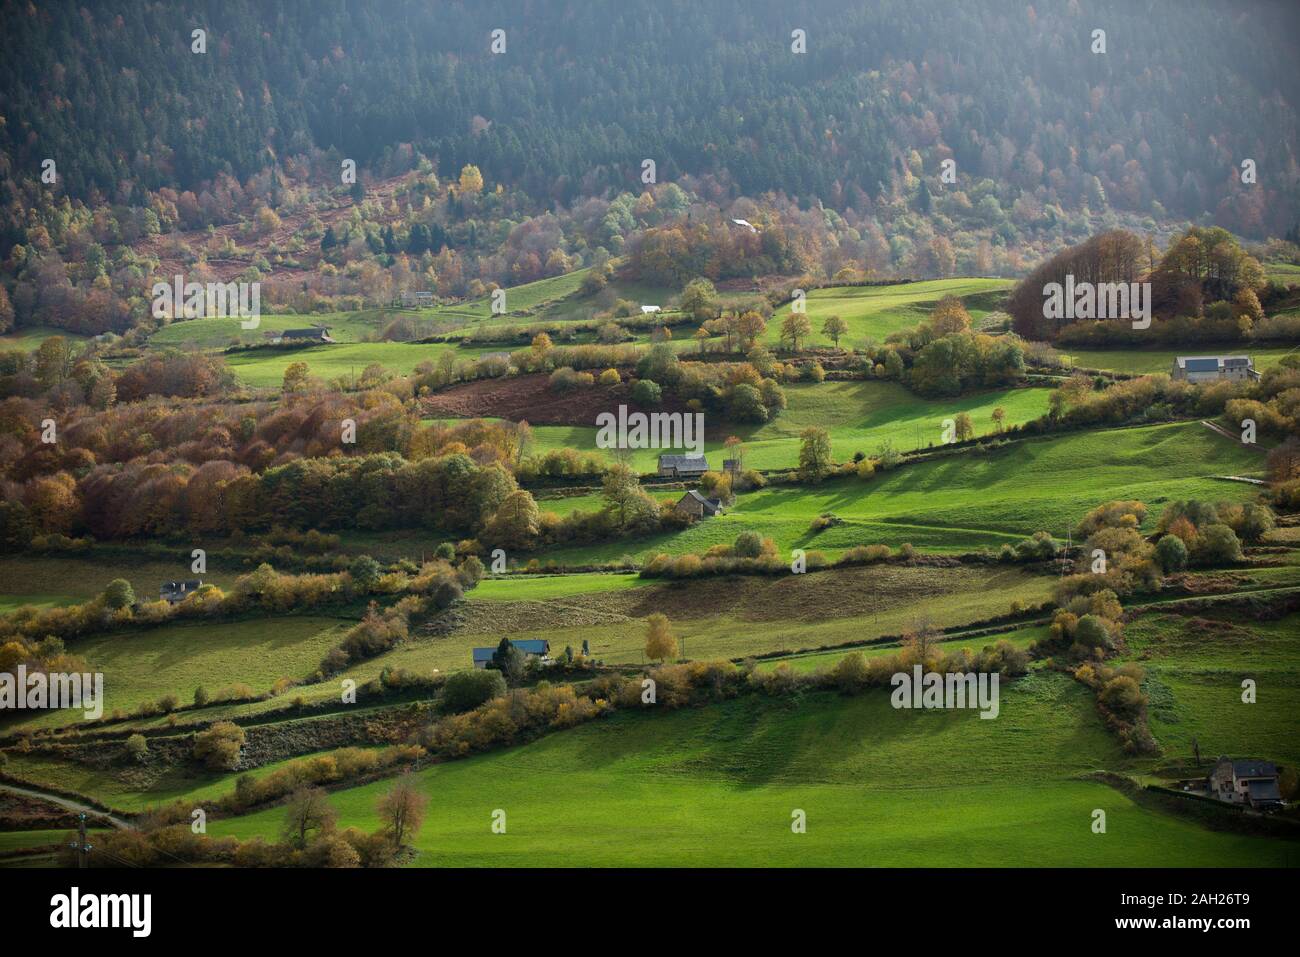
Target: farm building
[(680, 465), (314, 334), (647, 310), (416, 299), (1214, 368), (176, 592), (1246, 781), (693, 503), (528, 647)]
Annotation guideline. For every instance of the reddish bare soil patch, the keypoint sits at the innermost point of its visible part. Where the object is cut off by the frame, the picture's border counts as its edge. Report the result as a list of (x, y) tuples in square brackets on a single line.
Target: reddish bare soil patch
[(529, 397)]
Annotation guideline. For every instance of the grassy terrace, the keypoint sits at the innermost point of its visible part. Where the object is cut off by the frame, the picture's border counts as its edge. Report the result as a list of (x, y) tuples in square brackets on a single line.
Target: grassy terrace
[(143, 666), (717, 785), (873, 312), (1194, 674), (860, 416), (50, 581), (1145, 361), (967, 501)]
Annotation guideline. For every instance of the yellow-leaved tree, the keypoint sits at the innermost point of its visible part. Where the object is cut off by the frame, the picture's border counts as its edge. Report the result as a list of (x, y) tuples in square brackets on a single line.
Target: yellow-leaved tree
[(659, 641)]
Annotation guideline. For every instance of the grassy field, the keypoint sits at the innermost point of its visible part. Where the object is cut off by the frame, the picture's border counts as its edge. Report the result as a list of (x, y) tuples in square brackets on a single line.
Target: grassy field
[(718, 785), (860, 416), (1194, 674), (967, 501), (130, 788), (726, 618), (30, 338), (144, 666), (46, 581), (1145, 361), (536, 587), (873, 312), (11, 841), (1282, 272), (525, 298), (816, 661), (219, 332), (265, 368)]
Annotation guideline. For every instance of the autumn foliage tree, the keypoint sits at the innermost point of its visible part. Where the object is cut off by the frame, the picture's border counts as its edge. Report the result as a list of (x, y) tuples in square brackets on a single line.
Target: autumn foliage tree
[(660, 643), (402, 810)]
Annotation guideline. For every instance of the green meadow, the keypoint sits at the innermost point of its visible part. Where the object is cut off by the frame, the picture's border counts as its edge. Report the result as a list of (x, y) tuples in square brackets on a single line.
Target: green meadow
[(48, 581), (1194, 673), (221, 331), (819, 660), (873, 312), (11, 841), (1146, 361), (966, 501), (879, 787), (30, 338), (859, 415), (724, 618), (264, 368), (523, 587), (142, 666), (124, 788)]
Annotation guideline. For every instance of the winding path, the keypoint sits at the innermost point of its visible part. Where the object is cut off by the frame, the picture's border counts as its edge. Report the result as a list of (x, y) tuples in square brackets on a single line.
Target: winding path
[(69, 805)]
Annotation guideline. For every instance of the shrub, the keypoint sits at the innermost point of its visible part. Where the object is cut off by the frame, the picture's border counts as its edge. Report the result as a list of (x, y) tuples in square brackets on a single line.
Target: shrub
[(647, 392), (1219, 543), (365, 571), (1122, 696), (563, 379), (119, 594), (218, 747), (466, 690), (610, 377), (850, 673), (748, 545), (137, 748), (1172, 554), (1091, 632)]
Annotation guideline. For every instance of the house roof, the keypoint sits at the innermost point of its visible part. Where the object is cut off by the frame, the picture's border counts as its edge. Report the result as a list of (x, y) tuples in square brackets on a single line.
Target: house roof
[(1211, 363), (305, 333), (1263, 791), (528, 646), (712, 504), (691, 461), (185, 585), (1253, 768)]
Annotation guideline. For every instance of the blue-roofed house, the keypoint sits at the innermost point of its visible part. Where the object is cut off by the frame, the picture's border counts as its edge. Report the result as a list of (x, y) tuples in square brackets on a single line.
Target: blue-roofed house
[(529, 647), (1214, 368)]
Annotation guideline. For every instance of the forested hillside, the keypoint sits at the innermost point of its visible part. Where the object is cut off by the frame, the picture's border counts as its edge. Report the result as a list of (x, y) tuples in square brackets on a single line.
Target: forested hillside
[(1012, 91), (224, 157)]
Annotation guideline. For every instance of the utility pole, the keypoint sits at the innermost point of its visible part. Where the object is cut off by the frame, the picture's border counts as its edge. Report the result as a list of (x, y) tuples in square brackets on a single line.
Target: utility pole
[(83, 849)]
